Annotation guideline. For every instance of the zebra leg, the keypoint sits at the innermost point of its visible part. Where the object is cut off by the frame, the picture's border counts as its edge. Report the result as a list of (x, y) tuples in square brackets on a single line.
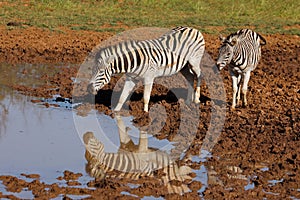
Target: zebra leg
[(128, 86), (234, 88), (190, 79), (245, 87), (195, 67), (239, 83), (197, 92), (147, 92)]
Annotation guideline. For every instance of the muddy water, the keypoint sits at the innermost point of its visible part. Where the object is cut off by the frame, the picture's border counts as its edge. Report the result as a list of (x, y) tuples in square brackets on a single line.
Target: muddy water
[(35, 139), (44, 142)]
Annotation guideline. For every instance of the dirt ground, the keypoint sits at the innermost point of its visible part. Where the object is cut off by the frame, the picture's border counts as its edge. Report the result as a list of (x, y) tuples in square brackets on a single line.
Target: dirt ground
[(264, 135)]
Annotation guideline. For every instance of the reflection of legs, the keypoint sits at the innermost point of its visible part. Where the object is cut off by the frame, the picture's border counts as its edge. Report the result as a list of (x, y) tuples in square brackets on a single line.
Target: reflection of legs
[(234, 88), (143, 142), (128, 86), (147, 92), (245, 87), (123, 130)]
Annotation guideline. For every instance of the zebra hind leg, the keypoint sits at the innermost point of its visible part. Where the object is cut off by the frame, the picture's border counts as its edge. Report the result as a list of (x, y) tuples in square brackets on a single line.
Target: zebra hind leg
[(234, 89)]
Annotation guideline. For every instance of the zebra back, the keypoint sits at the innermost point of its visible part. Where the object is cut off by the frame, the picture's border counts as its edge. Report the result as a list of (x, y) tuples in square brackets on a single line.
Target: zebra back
[(183, 41), (172, 49)]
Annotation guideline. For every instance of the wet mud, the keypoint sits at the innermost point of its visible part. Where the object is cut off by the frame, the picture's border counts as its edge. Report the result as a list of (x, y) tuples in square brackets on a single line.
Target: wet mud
[(257, 154)]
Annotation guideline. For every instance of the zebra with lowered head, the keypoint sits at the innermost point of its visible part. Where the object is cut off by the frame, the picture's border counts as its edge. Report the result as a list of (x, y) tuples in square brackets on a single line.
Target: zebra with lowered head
[(134, 162), (149, 59), (242, 52)]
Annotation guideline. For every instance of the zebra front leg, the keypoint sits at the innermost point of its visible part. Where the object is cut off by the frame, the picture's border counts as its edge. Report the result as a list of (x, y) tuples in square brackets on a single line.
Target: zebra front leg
[(190, 84), (147, 92), (234, 89), (239, 83), (197, 72), (128, 86), (245, 87)]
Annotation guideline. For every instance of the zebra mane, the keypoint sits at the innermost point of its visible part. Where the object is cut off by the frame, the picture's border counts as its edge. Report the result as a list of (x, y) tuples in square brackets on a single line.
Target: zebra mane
[(239, 34)]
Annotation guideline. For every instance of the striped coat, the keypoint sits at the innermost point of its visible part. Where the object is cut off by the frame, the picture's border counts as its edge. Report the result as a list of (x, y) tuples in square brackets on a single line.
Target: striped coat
[(149, 59)]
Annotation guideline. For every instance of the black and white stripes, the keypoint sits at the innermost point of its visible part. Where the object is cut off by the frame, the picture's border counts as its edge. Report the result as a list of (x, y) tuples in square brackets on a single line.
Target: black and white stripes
[(149, 59), (130, 163), (242, 52)]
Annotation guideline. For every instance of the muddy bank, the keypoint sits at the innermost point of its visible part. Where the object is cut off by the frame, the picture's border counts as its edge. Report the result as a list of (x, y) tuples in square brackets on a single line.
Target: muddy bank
[(259, 145)]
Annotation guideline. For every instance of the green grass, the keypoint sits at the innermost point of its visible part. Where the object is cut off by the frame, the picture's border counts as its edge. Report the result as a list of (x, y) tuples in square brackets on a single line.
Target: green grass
[(268, 16)]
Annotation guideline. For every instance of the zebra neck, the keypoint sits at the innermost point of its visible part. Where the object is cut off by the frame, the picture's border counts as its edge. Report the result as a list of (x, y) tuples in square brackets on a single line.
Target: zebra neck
[(115, 68), (236, 54), (108, 72)]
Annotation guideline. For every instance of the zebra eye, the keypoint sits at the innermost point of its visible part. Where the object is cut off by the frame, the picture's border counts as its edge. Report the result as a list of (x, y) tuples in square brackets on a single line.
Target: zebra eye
[(100, 62)]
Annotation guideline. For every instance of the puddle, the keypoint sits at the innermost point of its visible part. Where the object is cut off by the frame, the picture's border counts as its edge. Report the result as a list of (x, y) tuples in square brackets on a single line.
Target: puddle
[(37, 140)]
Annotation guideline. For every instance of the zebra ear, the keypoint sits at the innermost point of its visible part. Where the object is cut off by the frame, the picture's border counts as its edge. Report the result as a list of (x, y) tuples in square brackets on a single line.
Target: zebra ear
[(233, 41), (222, 38)]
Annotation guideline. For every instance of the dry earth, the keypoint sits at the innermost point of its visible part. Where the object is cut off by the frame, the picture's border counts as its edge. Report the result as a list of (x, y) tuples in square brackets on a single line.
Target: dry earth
[(266, 134)]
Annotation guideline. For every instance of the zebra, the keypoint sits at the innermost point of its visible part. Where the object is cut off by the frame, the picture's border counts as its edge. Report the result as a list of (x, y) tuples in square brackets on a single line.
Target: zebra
[(148, 59), (133, 161), (242, 51)]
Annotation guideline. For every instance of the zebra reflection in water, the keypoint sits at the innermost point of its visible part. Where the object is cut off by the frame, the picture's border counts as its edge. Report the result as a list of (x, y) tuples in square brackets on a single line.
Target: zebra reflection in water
[(134, 161)]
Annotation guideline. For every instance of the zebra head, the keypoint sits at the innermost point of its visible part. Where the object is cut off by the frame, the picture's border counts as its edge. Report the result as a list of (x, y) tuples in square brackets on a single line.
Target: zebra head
[(94, 148), (226, 51), (101, 75)]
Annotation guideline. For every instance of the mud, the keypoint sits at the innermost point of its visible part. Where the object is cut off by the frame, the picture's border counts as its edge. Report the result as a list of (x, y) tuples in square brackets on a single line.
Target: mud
[(256, 156)]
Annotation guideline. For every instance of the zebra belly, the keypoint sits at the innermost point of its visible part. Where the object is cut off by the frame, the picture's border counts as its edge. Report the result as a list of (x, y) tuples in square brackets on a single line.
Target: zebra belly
[(155, 72)]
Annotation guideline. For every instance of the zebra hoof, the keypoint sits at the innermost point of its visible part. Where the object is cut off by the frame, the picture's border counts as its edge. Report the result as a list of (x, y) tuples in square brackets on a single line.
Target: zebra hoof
[(196, 101)]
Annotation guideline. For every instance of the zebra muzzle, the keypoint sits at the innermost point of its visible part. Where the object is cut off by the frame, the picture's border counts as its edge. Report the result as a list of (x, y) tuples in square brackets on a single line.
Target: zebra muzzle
[(220, 66)]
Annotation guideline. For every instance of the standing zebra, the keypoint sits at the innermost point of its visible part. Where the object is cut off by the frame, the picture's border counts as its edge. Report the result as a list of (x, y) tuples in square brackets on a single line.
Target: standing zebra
[(241, 50), (149, 59)]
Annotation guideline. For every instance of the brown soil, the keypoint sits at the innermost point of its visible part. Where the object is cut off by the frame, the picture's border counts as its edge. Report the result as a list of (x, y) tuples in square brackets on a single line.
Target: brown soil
[(264, 134)]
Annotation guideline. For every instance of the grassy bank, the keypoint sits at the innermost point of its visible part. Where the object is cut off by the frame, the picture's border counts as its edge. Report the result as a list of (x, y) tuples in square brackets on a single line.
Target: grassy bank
[(267, 16)]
